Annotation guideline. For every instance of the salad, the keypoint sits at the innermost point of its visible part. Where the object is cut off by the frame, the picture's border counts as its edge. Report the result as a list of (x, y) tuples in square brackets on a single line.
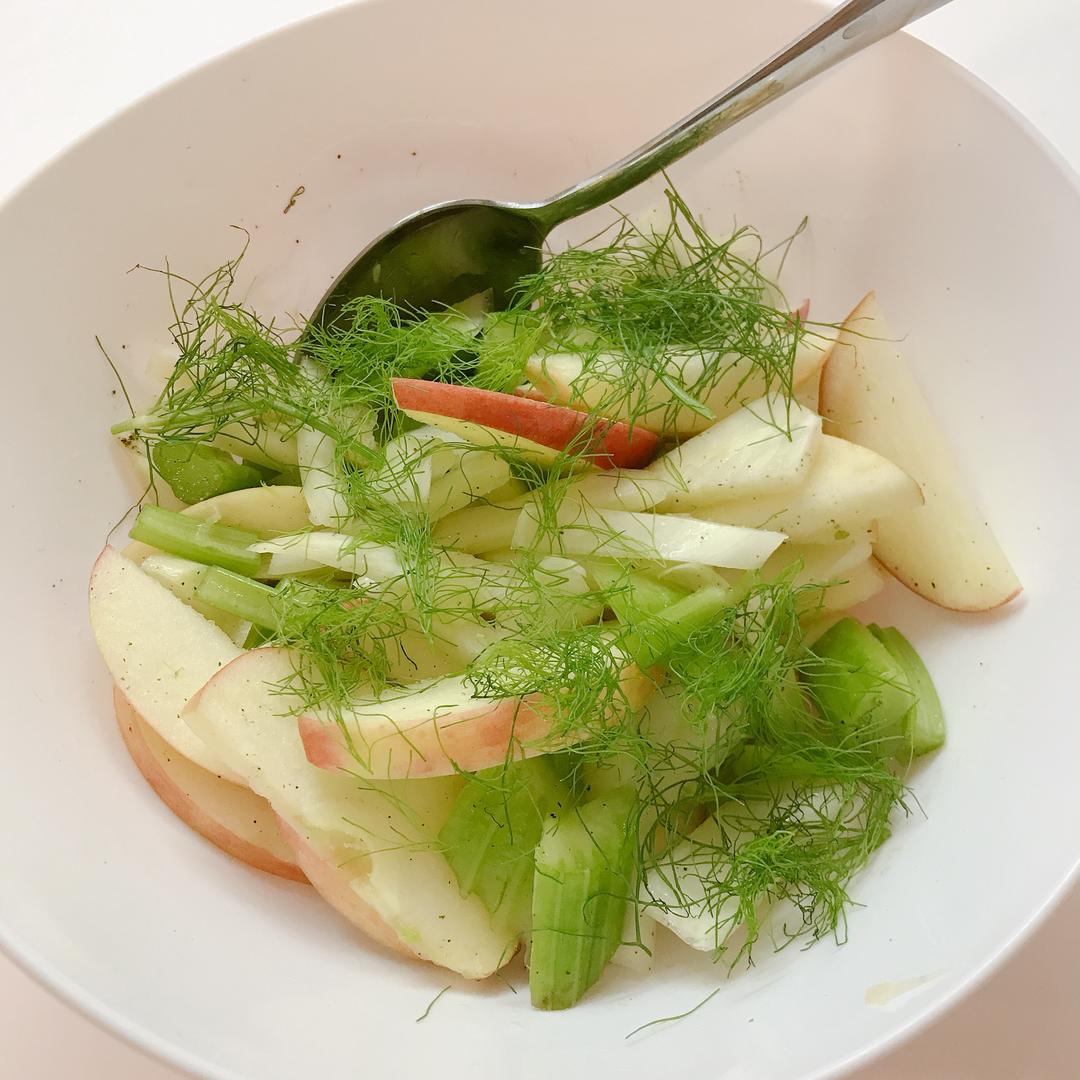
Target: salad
[(527, 631)]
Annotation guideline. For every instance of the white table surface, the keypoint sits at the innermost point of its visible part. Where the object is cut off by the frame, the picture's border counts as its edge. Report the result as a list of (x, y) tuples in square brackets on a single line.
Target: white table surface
[(67, 64)]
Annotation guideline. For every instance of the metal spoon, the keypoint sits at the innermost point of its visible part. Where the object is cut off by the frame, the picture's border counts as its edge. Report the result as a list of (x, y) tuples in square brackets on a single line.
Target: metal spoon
[(448, 252)]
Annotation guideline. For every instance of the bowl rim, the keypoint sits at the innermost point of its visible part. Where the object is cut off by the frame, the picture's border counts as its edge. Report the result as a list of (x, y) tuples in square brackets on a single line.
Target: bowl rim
[(171, 1053)]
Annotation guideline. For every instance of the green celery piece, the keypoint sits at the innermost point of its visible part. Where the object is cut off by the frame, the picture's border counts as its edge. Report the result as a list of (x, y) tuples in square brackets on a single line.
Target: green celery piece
[(238, 595), (288, 476), (256, 636), (653, 638), (635, 595), (564, 764), (196, 472), (493, 827), (927, 722), (583, 878), (200, 541), (861, 689)]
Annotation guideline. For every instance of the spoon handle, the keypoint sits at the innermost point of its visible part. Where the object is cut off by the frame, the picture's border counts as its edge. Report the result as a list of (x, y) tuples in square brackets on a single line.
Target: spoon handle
[(842, 33)]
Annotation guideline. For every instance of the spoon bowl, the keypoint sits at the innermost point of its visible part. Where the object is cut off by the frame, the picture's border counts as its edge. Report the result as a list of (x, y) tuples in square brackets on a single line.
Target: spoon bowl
[(443, 255), (446, 253)]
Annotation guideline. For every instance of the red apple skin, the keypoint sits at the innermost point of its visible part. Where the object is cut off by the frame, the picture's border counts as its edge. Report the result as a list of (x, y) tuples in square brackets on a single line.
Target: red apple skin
[(609, 444), (186, 809), (471, 738), (529, 391)]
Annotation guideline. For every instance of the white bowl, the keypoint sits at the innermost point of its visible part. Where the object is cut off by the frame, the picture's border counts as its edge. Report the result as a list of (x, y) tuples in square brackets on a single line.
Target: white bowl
[(916, 180)]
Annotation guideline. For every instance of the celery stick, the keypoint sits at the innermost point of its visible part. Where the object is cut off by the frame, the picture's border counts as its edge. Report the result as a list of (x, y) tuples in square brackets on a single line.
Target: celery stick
[(200, 541), (927, 721), (238, 595), (489, 837), (653, 638), (635, 594), (256, 636), (580, 890), (861, 689), (196, 472), (287, 476), (645, 596)]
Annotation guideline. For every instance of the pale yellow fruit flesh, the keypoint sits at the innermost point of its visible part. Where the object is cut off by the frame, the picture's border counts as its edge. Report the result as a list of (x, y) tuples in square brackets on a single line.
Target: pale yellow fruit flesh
[(372, 845), (158, 650), (945, 549), (847, 488)]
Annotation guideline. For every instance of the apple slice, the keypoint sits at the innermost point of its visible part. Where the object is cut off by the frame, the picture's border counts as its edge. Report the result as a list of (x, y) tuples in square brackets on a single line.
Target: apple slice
[(158, 651), (537, 428), (333, 871), (859, 584), (370, 847), (943, 550), (439, 728), (182, 577), (764, 447), (563, 378), (847, 489), (229, 815), (808, 391)]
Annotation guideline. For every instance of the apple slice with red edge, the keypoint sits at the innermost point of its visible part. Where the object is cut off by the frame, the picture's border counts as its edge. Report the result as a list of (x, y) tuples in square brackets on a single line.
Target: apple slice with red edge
[(232, 817), (440, 728), (536, 428), (370, 847), (158, 650), (334, 884)]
